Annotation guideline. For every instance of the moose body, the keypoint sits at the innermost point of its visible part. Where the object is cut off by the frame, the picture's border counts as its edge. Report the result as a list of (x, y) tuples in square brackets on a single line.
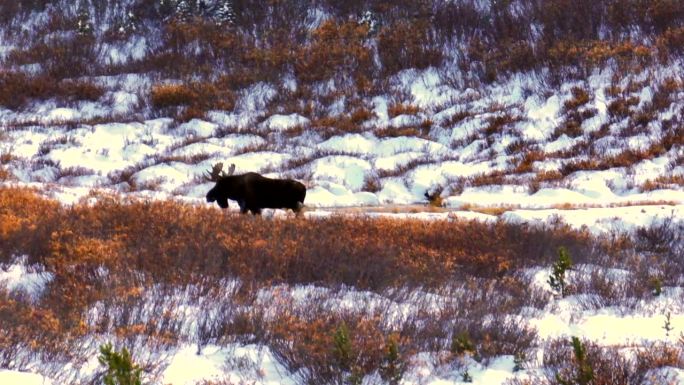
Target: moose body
[(254, 192)]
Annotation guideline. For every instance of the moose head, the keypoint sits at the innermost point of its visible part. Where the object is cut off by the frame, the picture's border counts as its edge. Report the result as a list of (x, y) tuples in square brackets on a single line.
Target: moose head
[(216, 174)]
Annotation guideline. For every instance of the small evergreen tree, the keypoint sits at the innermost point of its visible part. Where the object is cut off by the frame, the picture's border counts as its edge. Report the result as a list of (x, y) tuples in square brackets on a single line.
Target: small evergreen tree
[(371, 20), (84, 25), (167, 7), (519, 360), (584, 373), (343, 352), (466, 377), (121, 370), (225, 15), (462, 344), (392, 367), (183, 11), (557, 277), (667, 326), (128, 24)]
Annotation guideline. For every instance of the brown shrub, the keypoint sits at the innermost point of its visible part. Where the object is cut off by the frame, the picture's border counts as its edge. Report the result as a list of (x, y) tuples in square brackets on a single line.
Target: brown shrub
[(361, 115), (336, 49), (620, 108), (526, 164), (330, 349), (394, 132), (285, 251), (580, 97), (486, 179), (81, 90), (608, 365), (17, 89), (195, 98), (397, 109), (548, 176), (662, 182), (407, 44), (172, 95), (4, 174)]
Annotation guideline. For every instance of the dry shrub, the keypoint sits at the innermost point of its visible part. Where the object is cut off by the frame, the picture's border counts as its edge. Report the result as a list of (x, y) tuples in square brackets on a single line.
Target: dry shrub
[(499, 124), (372, 183), (395, 132), (172, 95), (196, 98), (27, 328), (330, 126), (499, 336), (663, 182), (526, 164), (336, 49), (626, 158), (397, 109), (670, 43), (198, 240), (497, 177), (20, 211), (17, 89), (313, 348), (61, 56), (548, 176), (407, 44), (609, 365), (361, 114), (518, 146), (5, 174), (620, 108), (80, 90), (518, 56), (580, 97)]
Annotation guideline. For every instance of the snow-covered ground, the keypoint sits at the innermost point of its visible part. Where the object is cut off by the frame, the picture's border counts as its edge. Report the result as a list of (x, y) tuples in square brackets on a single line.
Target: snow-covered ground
[(185, 364), (159, 156), (161, 159)]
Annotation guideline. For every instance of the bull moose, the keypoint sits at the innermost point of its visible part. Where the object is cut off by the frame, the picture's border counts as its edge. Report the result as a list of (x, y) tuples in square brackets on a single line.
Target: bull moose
[(254, 192)]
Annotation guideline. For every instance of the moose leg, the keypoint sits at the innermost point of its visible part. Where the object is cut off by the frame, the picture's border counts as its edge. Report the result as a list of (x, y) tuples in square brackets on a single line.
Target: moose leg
[(243, 207), (298, 209), (255, 211)]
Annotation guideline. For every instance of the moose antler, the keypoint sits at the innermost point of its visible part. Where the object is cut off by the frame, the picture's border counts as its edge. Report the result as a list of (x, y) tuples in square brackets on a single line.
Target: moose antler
[(217, 172)]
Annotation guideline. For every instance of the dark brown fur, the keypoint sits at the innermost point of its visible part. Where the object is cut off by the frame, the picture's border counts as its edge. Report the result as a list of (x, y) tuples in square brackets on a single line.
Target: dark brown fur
[(254, 192)]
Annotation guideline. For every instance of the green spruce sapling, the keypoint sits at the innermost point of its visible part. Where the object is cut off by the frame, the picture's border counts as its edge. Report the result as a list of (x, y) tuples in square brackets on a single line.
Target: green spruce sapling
[(120, 368), (559, 268)]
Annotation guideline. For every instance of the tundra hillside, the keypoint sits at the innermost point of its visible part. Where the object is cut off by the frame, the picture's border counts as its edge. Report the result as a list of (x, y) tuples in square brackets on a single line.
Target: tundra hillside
[(494, 192), (139, 273), (369, 102)]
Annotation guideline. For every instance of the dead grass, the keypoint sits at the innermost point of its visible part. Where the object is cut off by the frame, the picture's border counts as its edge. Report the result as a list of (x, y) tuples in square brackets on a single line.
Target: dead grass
[(663, 182), (397, 109), (162, 256), (489, 210), (575, 206)]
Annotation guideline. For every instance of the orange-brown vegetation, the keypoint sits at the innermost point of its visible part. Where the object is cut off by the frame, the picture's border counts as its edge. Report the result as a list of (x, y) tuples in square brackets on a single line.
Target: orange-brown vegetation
[(662, 182), (195, 97), (397, 109), (174, 243), (337, 49), (526, 164), (16, 89), (127, 255), (580, 97), (608, 365)]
